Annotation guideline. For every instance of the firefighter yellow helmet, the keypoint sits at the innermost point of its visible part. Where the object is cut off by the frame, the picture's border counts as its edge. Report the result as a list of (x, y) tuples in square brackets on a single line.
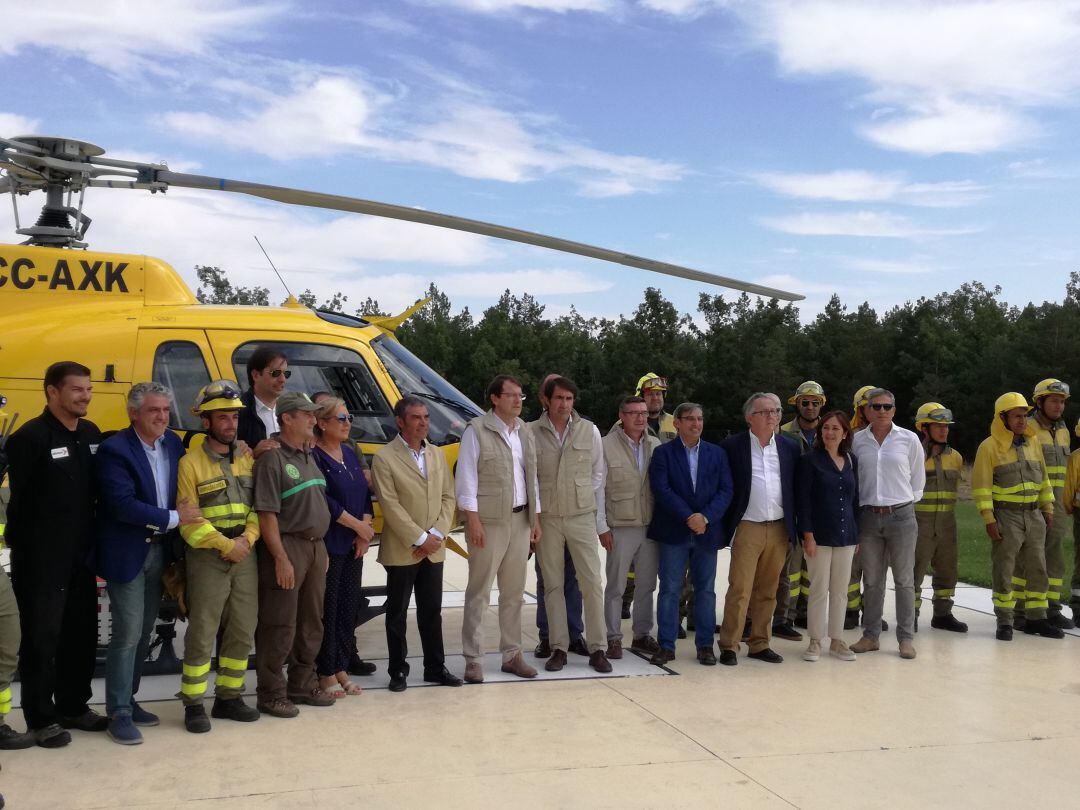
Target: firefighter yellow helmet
[(806, 390), (1006, 402), (221, 395), (1076, 430), (858, 402), (933, 413), (650, 380), (1049, 386)]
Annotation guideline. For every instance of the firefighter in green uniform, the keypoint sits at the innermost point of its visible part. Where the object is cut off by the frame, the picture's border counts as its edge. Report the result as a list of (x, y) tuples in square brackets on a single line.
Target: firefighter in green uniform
[(1071, 500), (10, 633), (794, 587), (222, 575), (854, 605), (1014, 497), (936, 515), (1051, 432)]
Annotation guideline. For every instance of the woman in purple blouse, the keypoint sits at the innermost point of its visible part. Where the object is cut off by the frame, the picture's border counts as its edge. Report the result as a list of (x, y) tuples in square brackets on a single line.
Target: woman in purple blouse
[(347, 540)]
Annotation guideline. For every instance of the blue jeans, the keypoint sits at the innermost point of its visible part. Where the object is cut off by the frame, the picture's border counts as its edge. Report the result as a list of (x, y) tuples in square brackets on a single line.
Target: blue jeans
[(673, 562), (134, 610), (571, 591)]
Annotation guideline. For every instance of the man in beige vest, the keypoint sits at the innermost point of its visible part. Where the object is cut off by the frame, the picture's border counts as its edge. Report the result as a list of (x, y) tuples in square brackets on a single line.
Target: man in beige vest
[(497, 492), (570, 473), (628, 503), (416, 493)]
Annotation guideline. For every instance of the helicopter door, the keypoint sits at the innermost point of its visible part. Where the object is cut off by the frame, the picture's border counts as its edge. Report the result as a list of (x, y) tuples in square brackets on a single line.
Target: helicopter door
[(181, 360)]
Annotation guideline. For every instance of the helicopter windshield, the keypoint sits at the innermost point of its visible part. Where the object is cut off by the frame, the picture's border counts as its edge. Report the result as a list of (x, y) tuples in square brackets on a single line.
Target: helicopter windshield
[(450, 409)]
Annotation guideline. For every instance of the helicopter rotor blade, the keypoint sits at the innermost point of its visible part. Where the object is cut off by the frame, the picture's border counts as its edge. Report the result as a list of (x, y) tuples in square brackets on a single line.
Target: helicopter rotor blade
[(335, 202)]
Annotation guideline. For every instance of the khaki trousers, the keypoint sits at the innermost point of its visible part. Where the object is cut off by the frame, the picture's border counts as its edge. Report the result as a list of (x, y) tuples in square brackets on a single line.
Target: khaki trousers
[(290, 621), (10, 637), (757, 556), (936, 549), (219, 594), (1023, 535), (503, 558), (830, 570), (576, 535)]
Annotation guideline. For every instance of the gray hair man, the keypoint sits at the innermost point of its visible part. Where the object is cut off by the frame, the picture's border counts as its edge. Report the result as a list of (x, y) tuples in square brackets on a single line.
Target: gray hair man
[(892, 475)]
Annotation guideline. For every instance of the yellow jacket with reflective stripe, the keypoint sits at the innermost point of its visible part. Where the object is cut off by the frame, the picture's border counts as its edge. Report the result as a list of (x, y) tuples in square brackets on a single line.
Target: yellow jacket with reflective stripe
[(223, 492), (1055, 443), (1071, 496), (4, 495), (1000, 478), (939, 494)]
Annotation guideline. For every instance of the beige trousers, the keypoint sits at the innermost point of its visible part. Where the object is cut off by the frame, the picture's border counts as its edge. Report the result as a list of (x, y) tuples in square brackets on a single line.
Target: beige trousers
[(503, 557), (830, 572), (577, 535)]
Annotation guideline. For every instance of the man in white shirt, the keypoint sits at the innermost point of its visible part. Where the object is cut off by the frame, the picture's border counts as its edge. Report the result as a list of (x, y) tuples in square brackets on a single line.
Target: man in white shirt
[(496, 490), (761, 525), (892, 475)]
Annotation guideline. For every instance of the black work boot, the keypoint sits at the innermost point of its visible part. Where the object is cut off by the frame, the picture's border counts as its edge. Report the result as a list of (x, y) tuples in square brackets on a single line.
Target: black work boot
[(195, 719), (1042, 627), (1060, 620), (234, 709), (948, 622), (1004, 632), (851, 619)]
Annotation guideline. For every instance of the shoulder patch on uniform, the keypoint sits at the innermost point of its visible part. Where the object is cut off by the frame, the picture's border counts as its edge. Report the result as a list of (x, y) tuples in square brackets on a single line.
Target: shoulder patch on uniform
[(211, 486), (292, 472)]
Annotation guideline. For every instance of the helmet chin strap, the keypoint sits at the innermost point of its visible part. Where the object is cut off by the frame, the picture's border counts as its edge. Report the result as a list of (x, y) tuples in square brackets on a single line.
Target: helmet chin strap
[(231, 445)]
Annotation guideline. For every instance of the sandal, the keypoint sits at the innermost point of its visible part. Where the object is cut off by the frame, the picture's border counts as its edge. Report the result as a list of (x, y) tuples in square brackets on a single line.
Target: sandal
[(329, 685), (348, 687)]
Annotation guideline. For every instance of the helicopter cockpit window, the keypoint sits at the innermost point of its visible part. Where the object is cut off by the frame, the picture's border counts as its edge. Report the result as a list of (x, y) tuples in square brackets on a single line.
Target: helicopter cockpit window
[(450, 409), (343, 373), (179, 365)]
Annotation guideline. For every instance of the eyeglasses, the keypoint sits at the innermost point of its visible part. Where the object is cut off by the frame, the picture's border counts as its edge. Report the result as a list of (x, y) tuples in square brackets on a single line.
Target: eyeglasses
[(513, 396), (636, 414), (767, 412), (344, 417), (882, 406), (806, 403), (277, 372)]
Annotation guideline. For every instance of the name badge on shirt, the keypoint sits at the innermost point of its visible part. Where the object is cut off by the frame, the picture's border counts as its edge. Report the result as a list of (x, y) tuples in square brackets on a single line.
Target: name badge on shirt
[(212, 486), (60, 452)]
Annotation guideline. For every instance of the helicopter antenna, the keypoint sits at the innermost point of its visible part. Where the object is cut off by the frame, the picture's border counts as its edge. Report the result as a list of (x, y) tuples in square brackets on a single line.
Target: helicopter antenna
[(267, 255)]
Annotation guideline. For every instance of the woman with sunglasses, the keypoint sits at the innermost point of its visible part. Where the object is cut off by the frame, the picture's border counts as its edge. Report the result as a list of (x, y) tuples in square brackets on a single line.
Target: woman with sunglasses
[(347, 540)]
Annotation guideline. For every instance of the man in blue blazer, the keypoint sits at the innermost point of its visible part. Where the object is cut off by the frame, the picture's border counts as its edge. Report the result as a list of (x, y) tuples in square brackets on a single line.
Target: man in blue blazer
[(760, 525), (137, 518), (691, 485)]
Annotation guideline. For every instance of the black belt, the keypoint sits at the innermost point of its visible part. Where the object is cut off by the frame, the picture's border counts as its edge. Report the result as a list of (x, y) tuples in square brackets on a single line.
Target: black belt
[(887, 510), (520, 508)]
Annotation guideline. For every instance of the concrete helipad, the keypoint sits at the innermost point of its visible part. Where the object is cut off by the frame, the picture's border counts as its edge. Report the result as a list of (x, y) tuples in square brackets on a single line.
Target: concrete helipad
[(971, 722)]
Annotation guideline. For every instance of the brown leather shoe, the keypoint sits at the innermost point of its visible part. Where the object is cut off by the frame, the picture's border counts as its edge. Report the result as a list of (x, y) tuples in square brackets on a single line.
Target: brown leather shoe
[(474, 673), (662, 656), (599, 662), (517, 666), (316, 697), (907, 649), (645, 644), (865, 644), (614, 649), (556, 662)]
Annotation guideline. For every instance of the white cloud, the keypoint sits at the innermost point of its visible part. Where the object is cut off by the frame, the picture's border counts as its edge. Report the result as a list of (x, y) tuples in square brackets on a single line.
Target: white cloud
[(859, 223), (335, 114), (558, 6), (685, 9), (122, 36), (902, 268), (864, 186), (12, 125), (952, 77)]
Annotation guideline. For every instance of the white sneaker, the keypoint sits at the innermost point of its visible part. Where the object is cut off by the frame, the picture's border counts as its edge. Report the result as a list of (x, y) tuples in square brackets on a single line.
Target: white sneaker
[(840, 650), (813, 652)]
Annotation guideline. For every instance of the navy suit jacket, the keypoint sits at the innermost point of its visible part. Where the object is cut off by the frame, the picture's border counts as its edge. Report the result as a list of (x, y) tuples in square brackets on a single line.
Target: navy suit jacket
[(675, 498), (738, 450), (128, 515)]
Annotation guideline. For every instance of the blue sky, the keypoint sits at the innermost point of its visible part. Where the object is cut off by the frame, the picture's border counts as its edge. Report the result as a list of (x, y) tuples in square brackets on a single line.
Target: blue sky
[(879, 150)]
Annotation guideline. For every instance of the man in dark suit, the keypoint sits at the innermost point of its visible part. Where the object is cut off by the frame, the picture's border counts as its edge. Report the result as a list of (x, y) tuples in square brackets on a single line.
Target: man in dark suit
[(760, 525), (267, 371), (691, 485), (50, 531), (137, 519)]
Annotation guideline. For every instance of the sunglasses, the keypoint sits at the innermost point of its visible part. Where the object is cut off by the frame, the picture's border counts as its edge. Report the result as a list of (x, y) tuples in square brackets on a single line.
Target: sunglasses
[(344, 417), (806, 403), (277, 372), (882, 406), (940, 415)]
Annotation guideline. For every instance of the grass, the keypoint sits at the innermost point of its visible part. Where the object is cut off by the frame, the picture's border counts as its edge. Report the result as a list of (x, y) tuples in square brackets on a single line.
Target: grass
[(974, 548)]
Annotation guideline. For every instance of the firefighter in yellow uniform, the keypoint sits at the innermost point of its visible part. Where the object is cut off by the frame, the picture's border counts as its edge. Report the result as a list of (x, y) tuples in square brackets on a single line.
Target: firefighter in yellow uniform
[(1052, 433), (1071, 499), (1014, 497), (10, 632), (222, 575), (854, 605), (794, 588), (936, 516)]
